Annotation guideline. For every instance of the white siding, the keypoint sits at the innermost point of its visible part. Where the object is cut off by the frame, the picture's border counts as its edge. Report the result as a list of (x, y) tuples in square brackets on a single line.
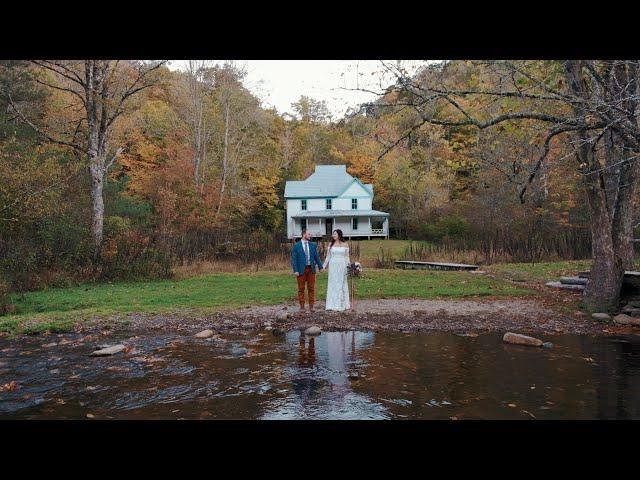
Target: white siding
[(343, 202), (355, 190)]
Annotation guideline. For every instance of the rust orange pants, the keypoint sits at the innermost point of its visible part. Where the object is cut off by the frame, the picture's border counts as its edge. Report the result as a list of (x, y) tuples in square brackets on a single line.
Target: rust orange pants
[(308, 278)]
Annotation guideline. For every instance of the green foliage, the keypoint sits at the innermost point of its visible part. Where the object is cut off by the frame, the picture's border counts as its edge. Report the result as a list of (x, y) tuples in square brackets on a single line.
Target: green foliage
[(454, 226), (5, 304)]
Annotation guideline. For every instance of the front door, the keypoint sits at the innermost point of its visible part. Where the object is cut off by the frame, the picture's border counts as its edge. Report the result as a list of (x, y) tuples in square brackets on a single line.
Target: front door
[(329, 226)]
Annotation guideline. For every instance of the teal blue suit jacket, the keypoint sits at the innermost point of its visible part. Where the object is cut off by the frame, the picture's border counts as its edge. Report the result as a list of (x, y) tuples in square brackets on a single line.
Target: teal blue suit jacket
[(298, 260)]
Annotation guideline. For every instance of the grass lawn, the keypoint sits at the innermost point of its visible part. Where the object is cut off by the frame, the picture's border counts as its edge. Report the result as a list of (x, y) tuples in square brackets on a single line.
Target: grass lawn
[(59, 309), (370, 249), (541, 272)]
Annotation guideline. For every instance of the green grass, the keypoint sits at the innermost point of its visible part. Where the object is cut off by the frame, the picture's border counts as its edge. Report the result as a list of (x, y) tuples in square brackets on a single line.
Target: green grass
[(539, 272), (369, 249), (542, 272), (59, 309)]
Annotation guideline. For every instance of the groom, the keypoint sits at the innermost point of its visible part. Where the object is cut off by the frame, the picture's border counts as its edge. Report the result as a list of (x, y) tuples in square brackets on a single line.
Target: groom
[(304, 258)]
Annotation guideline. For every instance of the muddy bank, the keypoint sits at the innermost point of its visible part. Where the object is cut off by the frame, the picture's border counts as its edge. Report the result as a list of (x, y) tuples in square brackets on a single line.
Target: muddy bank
[(518, 315)]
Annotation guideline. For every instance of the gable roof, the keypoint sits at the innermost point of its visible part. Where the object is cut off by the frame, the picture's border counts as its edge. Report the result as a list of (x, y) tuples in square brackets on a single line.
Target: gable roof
[(326, 181), (367, 188)]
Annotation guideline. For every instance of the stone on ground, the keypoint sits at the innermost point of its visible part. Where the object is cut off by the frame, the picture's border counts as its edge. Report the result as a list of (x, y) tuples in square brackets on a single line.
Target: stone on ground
[(519, 339), (565, 286), (631, 310), (622, 319), (313, 331), (573, 280), (205, 333), (108, 351), (601, 316)]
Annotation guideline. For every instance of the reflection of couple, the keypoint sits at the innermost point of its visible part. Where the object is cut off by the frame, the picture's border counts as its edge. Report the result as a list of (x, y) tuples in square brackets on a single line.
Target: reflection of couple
[(305, 258), (320, 380)]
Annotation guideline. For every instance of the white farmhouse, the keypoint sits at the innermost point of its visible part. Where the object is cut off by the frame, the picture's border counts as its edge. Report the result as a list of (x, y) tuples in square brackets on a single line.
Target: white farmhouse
[(330, 199)]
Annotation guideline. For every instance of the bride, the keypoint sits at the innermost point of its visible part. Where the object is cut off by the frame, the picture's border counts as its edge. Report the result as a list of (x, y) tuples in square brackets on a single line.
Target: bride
[(337, 286)]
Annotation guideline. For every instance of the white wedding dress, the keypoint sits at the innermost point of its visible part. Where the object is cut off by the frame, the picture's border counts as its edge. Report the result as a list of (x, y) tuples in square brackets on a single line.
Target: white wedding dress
[(337, 285)]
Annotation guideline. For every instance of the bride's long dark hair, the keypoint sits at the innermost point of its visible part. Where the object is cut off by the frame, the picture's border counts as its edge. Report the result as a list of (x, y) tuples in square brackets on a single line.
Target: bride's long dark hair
[(340, 237)]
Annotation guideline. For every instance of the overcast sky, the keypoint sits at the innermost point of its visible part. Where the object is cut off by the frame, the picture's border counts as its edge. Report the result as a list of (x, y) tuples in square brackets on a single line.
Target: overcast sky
[(279, 83)]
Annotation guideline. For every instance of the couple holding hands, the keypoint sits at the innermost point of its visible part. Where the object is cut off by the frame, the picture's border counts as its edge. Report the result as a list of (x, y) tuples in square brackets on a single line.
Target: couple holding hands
[(305, 258)]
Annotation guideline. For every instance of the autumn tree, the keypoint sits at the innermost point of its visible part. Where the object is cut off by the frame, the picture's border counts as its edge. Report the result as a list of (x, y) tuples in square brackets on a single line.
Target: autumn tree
[(96, 92), (591, 105)]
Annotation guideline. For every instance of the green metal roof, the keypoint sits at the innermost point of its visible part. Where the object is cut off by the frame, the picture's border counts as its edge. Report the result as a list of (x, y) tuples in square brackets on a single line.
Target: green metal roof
[(327, 181)]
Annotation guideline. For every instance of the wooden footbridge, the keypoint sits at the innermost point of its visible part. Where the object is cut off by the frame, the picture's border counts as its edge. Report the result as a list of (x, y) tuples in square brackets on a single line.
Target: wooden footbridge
[(414, 265)]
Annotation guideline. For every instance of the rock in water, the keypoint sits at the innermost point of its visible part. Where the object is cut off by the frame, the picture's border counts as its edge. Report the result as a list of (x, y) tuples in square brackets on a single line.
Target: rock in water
[(601, 316), (518, 339), (313, 331), (547, 345), (205, 334), (108, 351)]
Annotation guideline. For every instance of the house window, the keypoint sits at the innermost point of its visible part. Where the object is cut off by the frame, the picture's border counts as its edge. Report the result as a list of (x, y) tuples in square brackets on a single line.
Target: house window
[(354, 204), (328, 204), (303, 224), (354, 224), (303, 204)]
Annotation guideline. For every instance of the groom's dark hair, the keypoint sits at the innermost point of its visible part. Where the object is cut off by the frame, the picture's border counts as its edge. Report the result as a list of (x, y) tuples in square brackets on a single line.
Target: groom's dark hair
[(304, 230)]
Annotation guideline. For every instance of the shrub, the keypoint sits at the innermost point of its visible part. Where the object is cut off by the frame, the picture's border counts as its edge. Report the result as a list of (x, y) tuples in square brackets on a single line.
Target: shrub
[(452, 226), (5, 304)]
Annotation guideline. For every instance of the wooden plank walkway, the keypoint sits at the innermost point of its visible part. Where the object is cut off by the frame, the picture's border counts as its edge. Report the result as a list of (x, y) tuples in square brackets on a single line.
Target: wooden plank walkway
[(411, 264)]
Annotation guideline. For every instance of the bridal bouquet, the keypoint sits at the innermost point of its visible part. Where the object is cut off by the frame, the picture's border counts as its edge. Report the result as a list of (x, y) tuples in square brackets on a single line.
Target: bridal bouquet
[(354, 269)]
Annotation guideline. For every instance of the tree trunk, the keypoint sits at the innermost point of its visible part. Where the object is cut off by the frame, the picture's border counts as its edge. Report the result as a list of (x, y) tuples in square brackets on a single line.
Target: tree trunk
[(605, 281), (607, 272), (623, 219), (225, 157), (97, 185)]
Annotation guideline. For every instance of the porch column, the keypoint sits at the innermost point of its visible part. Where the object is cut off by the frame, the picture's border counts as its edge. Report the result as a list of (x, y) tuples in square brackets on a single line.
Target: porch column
[(386, 227)]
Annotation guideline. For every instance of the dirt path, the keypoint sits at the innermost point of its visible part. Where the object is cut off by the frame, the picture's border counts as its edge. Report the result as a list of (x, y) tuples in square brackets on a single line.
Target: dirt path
[(519, 315)]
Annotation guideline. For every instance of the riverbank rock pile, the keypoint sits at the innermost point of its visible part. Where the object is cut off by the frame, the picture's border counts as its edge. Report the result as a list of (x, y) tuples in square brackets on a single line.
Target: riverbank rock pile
[(623, 319), (632, 308), (629, 315)]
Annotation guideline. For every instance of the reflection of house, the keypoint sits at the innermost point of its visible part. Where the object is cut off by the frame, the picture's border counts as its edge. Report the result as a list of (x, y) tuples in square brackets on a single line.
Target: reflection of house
[(329, 199)]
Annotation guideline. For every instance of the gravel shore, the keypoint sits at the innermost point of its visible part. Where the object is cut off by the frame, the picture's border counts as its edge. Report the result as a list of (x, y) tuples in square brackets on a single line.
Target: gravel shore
[(464, 316)]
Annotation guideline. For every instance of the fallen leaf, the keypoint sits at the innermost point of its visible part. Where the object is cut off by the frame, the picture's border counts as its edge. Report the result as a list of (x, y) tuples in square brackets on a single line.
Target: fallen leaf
[(90, 415), (9, 387)]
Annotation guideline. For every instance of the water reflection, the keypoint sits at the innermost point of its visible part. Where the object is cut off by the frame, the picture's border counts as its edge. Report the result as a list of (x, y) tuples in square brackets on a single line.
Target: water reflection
[(337, 375), (321, 382)]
